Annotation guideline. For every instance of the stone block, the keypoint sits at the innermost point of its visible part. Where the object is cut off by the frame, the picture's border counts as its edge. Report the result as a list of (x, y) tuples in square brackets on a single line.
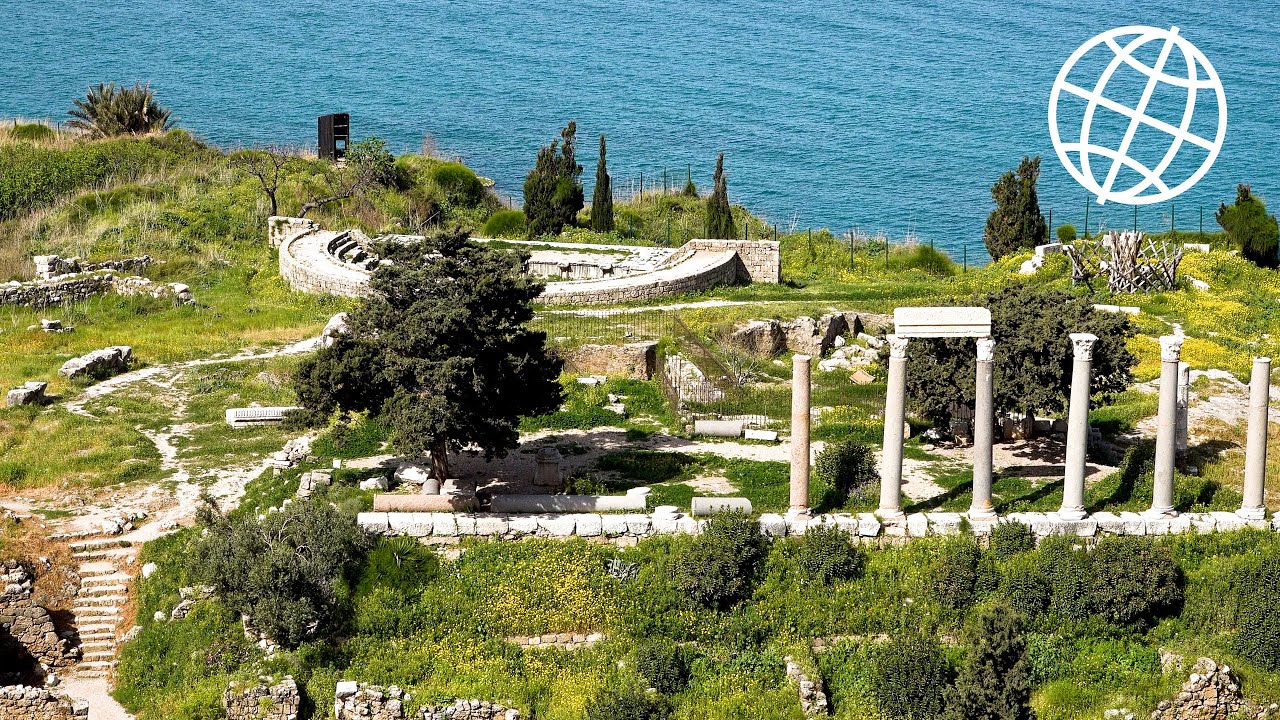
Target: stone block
[(773, 525), (931, 322), (765, 435), (589, 525), (917, 525), (982, 525), (30, 393), (416, 524), (868, 525), (718, 428), (444, 524), (491, 525), (375, 522), (665, 523), (518, 525), (1084, 527), (466, 524), (705, 506), (99, 364), (1202, 523), (689, 525), (944, 523), (557, 525), (613, 525)]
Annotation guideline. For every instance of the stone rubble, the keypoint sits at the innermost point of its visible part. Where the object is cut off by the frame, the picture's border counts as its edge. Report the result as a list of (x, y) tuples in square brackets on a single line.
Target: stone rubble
[(31, 393), (361, 701), (28, 624), (813, 699), (263, 700), (99, 364), (33, 703), (1211, 693)]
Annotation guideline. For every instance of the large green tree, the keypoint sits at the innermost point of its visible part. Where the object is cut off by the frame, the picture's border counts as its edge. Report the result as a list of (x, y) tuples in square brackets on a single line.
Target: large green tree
[(1033, 355), (995, 681), (1016, 223), (552, 189), (441, 350), (719, 213), (602, 196), (1250, 228)]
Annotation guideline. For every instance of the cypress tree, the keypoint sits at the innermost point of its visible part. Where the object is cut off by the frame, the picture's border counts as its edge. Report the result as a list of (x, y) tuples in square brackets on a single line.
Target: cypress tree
[(1016, 222), (995, 681), (690, 190), (552, 190), (602, 197), (719, 214), (1250, 228)]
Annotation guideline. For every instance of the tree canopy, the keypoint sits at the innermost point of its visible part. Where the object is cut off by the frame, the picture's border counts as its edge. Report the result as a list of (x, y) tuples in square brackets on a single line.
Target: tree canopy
[(995, 681), (719, 213), (552, 189), (602, 196), (1250, 228), (1033, 355), (441, 350), (1015, 223)]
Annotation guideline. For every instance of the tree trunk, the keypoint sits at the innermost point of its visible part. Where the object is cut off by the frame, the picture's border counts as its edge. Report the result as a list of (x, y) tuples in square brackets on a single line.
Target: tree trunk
[(440, 461), (309, 206)]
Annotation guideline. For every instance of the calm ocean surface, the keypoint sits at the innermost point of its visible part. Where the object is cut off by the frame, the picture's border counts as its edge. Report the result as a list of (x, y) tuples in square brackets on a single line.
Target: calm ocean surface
[(886, 116)]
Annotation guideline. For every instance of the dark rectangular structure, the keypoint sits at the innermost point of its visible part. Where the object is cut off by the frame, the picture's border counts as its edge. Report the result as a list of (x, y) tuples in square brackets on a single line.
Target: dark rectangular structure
[(334, 132)]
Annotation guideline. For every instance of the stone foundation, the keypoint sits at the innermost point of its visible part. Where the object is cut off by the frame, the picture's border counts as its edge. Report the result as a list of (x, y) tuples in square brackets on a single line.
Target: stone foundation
[(637, 360), (50, 266), (32, 703), (360, 701), (27, 624), (260, 702), (761, 259), (813, 699)]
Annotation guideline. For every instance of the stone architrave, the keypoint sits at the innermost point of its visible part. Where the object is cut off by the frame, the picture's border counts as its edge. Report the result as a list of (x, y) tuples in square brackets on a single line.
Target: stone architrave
[(1255, 457), (801, 368), (983, 431), (895, 411), (927, 322), (1077, 427), (1167, 428)]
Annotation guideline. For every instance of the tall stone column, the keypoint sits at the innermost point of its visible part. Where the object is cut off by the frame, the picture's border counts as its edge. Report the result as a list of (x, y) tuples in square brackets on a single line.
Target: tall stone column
[(1184, 403), (1255, 454), (800, 409), (1167, 429), (983, 424), (1077, 427), (895, 414)]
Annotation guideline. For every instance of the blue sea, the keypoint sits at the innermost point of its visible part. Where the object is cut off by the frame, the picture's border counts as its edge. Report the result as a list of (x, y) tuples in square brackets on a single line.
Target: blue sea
[(888, 116)]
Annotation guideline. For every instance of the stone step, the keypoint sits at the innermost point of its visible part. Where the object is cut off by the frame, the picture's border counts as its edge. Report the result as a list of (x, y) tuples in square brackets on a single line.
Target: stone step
[(103, 599), (101, 553), (98, 567), (115, 577), (98, 664), (103, 644), (82, 611), (97, 637), (99, 655), (95, 543), (90, 674), (97, 625), (98, 590)]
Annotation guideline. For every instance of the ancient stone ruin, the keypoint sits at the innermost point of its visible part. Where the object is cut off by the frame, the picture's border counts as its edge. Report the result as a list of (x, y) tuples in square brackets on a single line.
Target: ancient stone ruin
[(30, 393), (36, 703), (263, 700), (1211, 693), (813, 699), (98, 364), (361, 701), (29, 643)]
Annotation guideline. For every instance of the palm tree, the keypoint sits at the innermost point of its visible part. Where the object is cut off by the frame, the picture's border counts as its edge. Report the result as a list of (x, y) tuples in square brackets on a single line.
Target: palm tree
[(109, 110)]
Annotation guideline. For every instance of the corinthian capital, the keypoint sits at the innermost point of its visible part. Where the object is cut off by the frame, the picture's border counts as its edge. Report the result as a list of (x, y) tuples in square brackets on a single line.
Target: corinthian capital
[(1171, 348), (1082, 343), (897, 347), (986, 349)]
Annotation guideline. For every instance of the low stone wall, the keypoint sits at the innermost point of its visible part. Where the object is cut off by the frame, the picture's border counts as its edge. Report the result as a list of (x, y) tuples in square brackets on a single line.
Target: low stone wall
[(557, 641), (761, 259), (308, 267), (281, 228), (32, 703), (28, 624), (638, 360), (361, 701), (48, 293), (1211, 693), (447, 527), (696, 272), (49, 266), (262, 702)]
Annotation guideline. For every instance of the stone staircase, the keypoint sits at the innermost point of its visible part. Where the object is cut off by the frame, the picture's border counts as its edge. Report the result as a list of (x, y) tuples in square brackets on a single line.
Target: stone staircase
[(106, 575)]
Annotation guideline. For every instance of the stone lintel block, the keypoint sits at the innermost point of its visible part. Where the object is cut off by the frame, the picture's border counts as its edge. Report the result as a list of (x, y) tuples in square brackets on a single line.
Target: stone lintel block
[(1227, 521), (444, 524), (518, 525), (944, 523), (1170, 525), (588, 525), (613, 525), (773, 525), (375, 522), (490, 524), (917, 525), (638, 524), (983, 525), (1086, 527), (466, 524), (868, 524), (410, 523), (557, 525), (1202, 523), (1037, 521)]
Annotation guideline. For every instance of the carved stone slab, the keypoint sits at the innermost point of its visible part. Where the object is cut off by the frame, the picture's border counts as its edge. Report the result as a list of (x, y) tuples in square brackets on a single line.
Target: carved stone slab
[(929, 322)]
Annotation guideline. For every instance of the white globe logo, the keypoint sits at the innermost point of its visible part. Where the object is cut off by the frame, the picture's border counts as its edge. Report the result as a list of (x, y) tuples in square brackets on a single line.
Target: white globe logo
[(1199, 75)]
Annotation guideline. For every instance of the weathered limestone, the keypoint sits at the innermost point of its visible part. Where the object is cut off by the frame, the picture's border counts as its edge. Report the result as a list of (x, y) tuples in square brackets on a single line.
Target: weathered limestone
[(922, 322), (813, 699), (718, 428), (259, 701), (1212, 692), (30, 393), (99, 364), (252, 416), (566, 503), (705, 506), (1166, 433), (424, 503), (547, 473), (1255, 457), (28, 624), (36, 703), (983, 430), (336, 326), (638, 360), (895, 411), (360, 701), (1184, 403), (801, 367), (1077, 427), (760, 337)]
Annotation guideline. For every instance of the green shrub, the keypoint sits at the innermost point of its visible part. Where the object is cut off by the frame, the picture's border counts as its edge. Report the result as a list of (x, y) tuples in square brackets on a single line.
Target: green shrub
[(31, 132), (505, 223), (953, 575), (826, 554), (1135, 581), (109, 110), (995, 681), (1010, 538), (719, 568), (1258, 639), (1068, 570), (399, 562), (664, 664), (286, 571), (1024, 586), (844, 470), (458, 182), (910, 677), (1066, 233), (625, 703)]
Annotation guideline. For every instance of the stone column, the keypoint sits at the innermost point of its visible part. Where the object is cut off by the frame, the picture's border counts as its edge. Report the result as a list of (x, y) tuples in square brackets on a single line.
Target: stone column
[(1167, 429), (1077, 427), (1255, 454), (895, 414), (983, 431), (800, 414), (1184, 402)]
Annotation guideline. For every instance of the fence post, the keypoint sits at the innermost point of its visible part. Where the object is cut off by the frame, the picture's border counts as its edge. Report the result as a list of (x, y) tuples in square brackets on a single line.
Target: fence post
[(1201, 223), (1173, 224), (851, 262), (1086, 217), (1135, 218), (811, 256), (668, 231), (966, 256), (1050, 238), (641, 195)]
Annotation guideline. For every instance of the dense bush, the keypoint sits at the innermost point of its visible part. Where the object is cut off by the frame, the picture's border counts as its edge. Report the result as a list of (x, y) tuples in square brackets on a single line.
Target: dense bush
[(844, 470), (1258, 639), (1066, 233), (398, 562), (719, 568), (1067, 570), (995, 681), (1135, 581), (1010, 538), (458, 182), (664, 664), (504, 223), (287, 570), (1024, 585), (1255, 233), (826, 554), (910, 677), (110, 110), (626, 702), (953, 575), (31, 132)]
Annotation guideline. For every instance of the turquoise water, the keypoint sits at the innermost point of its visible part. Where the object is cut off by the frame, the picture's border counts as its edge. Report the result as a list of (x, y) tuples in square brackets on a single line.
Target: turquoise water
[(890, 115)]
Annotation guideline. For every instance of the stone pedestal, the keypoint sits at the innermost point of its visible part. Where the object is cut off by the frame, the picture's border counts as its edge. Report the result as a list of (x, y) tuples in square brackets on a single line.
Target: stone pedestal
[(800, 414), (1077, 428), (895, 411), (548, 471), (1255, 454), (1167, 429), (983, 431)]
